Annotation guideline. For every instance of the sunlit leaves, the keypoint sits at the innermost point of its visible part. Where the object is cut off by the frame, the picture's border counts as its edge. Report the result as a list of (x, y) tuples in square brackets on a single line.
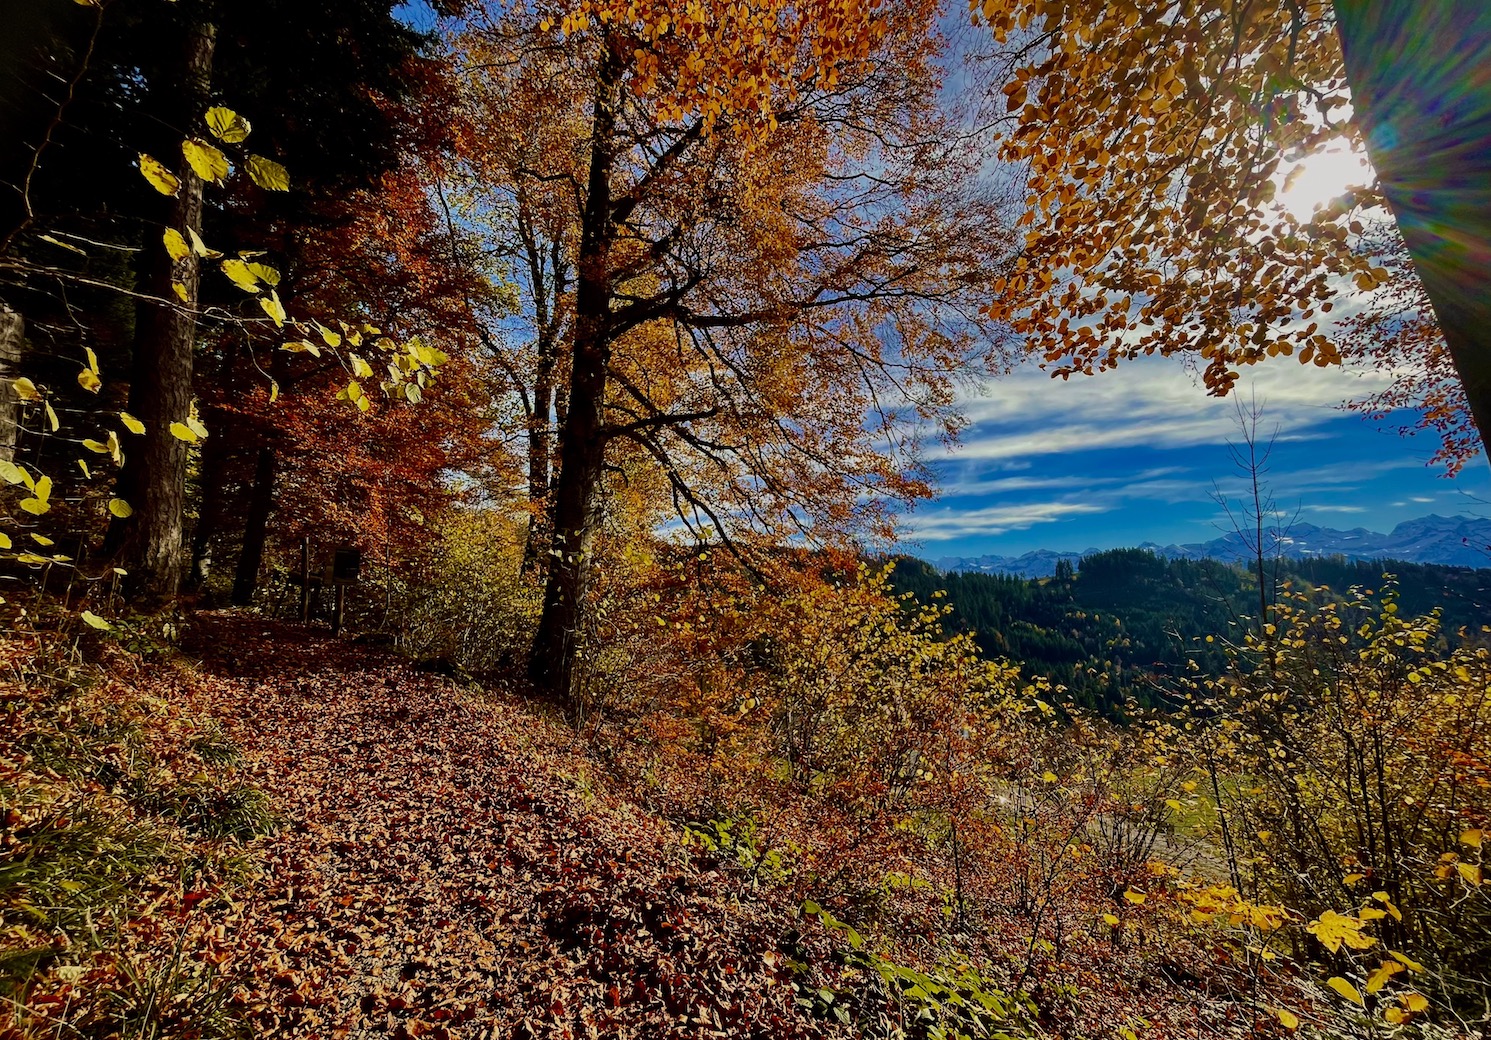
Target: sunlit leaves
[(267, 173), (1346, 990), (209, 163), (39, 501), (176, 246), (94, 621), (272, 307), (25, 389), (120, 508), (131, 424), (160, 178), (227, 125), (238, 272)]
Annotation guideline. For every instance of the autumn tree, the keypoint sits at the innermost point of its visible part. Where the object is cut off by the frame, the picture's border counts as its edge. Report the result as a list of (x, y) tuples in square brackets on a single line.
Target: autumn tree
[(778, 246), (1155, 137)]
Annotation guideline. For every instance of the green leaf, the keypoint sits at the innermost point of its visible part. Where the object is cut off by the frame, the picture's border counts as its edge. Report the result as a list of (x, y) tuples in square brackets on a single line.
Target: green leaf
[(227, 125), (95, 621), (268, 174), (160, 178)]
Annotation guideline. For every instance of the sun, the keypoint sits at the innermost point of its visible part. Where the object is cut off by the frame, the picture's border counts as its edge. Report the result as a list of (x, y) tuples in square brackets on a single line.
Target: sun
[(1320, 177)]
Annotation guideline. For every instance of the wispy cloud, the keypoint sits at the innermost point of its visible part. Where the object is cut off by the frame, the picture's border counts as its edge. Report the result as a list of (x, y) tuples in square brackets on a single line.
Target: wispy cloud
[(990, 521), (1155, 404)]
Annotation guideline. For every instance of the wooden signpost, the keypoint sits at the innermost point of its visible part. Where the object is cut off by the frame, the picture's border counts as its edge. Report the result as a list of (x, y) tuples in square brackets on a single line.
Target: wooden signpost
[(345, 569)]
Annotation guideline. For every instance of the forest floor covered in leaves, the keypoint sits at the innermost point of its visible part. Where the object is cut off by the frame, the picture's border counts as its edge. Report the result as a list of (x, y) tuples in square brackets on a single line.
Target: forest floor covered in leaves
[(428, 860), (441, 865), (447, 866)]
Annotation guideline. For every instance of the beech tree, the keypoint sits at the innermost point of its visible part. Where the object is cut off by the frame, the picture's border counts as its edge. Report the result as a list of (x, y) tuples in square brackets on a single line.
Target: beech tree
[(1155, 135), (780, 249)]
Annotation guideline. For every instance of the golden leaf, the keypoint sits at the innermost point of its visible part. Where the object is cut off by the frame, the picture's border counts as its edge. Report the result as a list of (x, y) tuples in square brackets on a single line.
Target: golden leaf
[(176, 246), (209, 163), (160, 178), (227, 125), (268, 174), (1346, 990)]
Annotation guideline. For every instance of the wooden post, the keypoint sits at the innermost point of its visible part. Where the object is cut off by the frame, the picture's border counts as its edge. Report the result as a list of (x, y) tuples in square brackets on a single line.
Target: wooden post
[(305, 580)]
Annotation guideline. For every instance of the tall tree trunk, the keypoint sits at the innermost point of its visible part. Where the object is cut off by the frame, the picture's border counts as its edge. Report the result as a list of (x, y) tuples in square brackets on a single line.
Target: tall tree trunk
[(1418, 81), (558, 645), (540, 452), (12, 347), (256, 526), (153, 479)]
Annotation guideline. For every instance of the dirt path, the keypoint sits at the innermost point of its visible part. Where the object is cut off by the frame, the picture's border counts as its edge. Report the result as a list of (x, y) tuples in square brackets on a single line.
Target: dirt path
[(442, 871)]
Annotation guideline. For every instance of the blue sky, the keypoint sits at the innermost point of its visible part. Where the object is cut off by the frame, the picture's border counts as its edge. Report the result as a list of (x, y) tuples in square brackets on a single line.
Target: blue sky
[(1131, 455)]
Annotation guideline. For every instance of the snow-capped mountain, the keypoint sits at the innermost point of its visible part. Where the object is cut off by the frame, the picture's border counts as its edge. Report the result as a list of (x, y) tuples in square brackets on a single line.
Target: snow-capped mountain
[(1460, 541)]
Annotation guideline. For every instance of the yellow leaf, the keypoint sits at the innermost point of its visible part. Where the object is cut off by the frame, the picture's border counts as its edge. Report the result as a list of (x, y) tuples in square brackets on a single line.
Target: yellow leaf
[(26, 390), (227, 125), (93, 445), (1471, 838), (176, 246), (1470, 872), (5, 542), (89, 381), (51, 416), (274, 391), (265, 273), (160, 178), (1406, 961), (1395, 1015), (332, 340), (131, 424), (83, 465), (268, 174), (209, 163), (1287, 1019), (1049, 777), (1385, 971), (360, 367), (179, 288), (1415, 1002), (1334, 929), (200, 248), (41, 539), (183, 432), (1133, 897), (241, 276), (1346, 990), (95, 621), (35, 506), (195, 424), (13, 474), (273, 307), (120, 508), (92, 360), (1110, 920)]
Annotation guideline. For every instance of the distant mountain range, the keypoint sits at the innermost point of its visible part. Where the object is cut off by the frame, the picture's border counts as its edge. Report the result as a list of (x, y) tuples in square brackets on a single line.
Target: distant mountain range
[(1459, 541)]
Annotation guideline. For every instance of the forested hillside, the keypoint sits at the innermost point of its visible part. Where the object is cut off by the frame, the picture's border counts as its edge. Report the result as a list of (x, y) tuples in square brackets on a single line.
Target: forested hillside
[(450, 459), (1125, 625)]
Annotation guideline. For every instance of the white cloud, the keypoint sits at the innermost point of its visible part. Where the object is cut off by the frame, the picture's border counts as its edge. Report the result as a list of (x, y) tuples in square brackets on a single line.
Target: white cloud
[(948, 524), (1150, 403)]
